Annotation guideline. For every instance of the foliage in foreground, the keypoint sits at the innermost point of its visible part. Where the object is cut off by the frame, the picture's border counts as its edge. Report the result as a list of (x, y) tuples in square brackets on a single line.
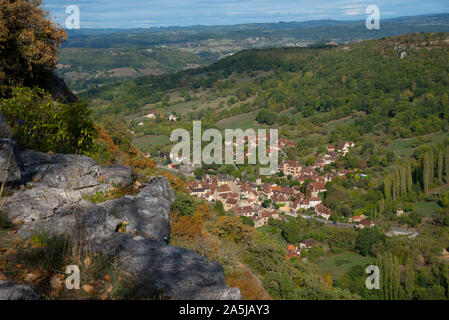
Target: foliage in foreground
[(40, 123)]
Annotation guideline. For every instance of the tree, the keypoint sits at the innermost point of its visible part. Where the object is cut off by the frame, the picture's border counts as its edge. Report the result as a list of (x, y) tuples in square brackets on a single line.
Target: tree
[(184, 203), (403, 181), (28, 43), (342, 240), (446, 165), (409, 279), (387, 187), (266, 203), (390, 285), (247, 220), (232, 228), (442, 217), (279, 285), (199, 172), (426, 172), (42, 124), (440, 167), (117, 128), (292, 232), (219, 209), (367, 238), (266, 116), (409, 178), (390, 156)]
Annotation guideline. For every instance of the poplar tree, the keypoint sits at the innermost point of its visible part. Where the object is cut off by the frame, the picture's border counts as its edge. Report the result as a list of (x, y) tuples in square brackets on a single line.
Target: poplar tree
[(409, 178), (387, 188), (396, 184), (446, 167), (390, 284), (426, 172), (409, 279), (432, 168), (403, 183), (440, 167)]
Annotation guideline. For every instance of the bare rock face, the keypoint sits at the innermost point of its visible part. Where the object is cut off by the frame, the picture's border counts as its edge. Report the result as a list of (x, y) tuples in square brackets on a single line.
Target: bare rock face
[(13, 291), (11, 168), (5, 129), (71, 172), (116, 174), (52, 202), (57, 88), (171, 272), (148, 213)]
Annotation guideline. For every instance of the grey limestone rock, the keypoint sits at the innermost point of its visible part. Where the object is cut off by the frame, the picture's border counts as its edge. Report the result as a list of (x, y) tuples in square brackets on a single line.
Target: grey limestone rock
[(11, 167), (12, 291), (53, 204)]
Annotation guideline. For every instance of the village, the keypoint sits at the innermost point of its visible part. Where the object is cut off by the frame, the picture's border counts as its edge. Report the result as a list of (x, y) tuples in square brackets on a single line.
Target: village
[(262, 201)]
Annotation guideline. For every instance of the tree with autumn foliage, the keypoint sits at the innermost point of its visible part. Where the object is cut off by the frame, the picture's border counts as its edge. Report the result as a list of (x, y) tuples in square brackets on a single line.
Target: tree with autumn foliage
[(28, 43), (113, 146)]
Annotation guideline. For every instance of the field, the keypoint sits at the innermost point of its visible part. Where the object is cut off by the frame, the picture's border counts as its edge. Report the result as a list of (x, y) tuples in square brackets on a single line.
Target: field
[(340, 264), (142, 143), (406, 147), (427, 208), (242, 121)]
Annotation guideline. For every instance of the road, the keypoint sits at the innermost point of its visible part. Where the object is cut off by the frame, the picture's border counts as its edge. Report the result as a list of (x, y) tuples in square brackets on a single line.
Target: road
[(394, 231)]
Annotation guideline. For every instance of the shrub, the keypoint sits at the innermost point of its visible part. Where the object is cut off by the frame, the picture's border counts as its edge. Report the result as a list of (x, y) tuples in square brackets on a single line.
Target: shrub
[(40, 123)]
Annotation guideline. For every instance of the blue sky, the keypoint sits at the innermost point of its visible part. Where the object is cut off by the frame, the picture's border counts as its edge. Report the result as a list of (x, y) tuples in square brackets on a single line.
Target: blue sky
[(157, 13)]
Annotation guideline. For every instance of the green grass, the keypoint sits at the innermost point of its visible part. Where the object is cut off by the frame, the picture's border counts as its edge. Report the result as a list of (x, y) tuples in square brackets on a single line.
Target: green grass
[(406, 147), (241, 121), (142, 143), (346, 121), (340, 264), (427, 208)]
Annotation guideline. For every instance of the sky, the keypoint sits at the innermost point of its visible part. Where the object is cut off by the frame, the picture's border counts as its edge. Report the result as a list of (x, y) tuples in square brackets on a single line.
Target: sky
[(163, 13)]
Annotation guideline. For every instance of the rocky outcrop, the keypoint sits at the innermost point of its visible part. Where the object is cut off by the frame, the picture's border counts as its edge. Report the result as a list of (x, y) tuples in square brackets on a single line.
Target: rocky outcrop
[(147, 213), (5, 129), (57, 88), (13, 291), (51, 200), (172, 272), (11, 168)]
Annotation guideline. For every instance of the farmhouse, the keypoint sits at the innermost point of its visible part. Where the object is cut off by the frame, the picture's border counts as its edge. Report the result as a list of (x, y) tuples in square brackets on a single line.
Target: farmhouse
[(151, 114)]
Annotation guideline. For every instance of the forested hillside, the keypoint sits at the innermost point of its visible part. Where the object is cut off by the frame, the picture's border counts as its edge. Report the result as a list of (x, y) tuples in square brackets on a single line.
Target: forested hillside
[(378, 108), (389, 96), (91, 57)]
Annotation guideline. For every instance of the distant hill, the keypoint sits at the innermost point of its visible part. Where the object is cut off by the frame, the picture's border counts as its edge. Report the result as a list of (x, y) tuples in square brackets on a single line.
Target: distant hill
[(394, 87), (308, 30), (91, 57)]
